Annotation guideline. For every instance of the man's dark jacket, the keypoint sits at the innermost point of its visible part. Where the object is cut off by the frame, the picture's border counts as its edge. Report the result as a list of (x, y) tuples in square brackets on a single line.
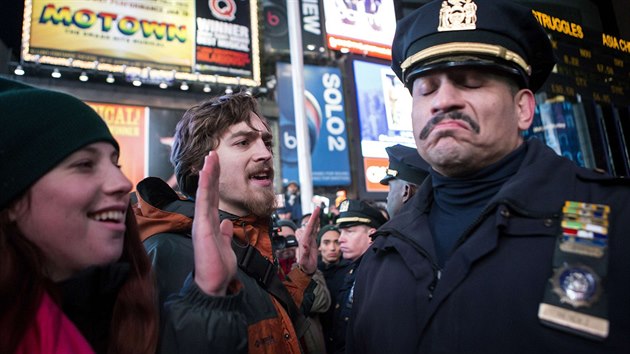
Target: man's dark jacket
[(486, 298), (334, 273), (247, 320)]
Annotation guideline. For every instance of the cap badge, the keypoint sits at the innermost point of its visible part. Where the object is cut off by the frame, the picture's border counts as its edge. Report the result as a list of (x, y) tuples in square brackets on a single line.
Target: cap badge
[(391, 172), (344, 206), (457, 15)]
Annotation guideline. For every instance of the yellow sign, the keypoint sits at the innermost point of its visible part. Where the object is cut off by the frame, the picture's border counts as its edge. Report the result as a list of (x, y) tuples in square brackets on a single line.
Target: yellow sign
[(140, 33)]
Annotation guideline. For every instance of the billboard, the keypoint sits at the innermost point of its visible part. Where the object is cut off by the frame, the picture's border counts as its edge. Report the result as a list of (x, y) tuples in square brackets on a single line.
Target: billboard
[(326, 116), (145, 136), (128, 125), (364, 27), (276, 27), (154, 41), (383, 109), (226, 43)]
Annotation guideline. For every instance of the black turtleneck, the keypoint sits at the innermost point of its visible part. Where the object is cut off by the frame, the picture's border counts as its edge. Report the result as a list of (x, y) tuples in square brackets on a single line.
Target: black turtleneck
[(459, 201)]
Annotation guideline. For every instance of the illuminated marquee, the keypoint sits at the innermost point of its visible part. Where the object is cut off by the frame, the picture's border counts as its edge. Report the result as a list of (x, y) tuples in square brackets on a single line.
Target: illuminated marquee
[(575, 30), (152, 41), (127, 25), (615, 43), (559, 25)]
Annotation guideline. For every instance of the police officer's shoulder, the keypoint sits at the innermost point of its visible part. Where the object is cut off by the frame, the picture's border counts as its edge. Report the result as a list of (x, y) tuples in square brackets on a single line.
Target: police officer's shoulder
[(598, 175)]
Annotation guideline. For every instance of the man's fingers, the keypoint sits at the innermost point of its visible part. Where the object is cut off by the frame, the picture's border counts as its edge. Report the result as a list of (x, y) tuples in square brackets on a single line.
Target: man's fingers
[(312, 221), (207, 185)]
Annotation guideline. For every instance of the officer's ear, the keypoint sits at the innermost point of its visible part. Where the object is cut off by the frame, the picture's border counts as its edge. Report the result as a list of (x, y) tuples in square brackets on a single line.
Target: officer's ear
[(406, 192), (370, 232), (524, 105)]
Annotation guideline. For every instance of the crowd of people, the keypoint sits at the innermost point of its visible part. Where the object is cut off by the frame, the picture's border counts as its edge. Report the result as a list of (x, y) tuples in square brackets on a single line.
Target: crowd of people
[(488, 244)]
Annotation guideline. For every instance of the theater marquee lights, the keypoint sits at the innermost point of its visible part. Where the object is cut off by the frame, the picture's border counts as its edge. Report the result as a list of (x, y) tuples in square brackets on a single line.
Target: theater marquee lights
[(153, 42)]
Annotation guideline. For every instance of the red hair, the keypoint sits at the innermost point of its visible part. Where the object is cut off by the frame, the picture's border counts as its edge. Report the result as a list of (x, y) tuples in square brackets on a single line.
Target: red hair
[(134, 326)]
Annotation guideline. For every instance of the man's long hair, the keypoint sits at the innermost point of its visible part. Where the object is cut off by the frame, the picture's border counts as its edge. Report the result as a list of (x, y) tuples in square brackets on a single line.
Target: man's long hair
[(200, 129)]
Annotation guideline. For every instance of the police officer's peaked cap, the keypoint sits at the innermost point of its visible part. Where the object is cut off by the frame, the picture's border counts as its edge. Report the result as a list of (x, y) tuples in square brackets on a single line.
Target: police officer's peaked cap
[(406, 164), (356, 212), (495, 34)]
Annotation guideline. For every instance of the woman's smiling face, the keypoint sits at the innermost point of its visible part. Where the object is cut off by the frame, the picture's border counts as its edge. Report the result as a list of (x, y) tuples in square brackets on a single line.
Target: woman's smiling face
[(76, 212)]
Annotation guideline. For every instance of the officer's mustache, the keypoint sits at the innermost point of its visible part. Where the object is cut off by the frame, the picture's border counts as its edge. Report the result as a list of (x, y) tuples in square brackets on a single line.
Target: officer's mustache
[(449, 115)]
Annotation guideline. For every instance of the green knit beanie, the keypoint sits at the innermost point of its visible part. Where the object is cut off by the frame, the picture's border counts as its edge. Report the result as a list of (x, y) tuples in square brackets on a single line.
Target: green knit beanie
[(324, 230), (39, 128)]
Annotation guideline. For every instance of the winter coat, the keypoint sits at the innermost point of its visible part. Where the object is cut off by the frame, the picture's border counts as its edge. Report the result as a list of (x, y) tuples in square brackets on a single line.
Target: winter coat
[(334, 274), (52, 333), (248, 320), (486, 298), (81, 321), (344, 301)]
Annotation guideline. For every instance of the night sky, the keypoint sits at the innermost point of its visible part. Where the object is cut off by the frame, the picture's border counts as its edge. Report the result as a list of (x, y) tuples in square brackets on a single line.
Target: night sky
[(11, 24)]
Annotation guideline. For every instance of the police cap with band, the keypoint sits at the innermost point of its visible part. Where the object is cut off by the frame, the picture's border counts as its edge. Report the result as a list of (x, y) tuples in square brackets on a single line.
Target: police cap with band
[(406, 164), (494, 34), (356, 212)]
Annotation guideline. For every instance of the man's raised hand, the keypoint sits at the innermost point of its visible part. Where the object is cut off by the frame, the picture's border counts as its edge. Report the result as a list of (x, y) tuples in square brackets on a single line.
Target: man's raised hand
[(307, 241), (215, 261)]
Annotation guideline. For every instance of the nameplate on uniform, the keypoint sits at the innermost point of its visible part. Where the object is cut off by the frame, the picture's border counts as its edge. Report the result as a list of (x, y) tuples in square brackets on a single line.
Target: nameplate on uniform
[(575, 299), (575, 320)]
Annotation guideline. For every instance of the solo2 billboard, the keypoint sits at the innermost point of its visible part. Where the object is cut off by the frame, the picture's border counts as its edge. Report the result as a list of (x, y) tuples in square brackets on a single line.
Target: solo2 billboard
[(326, 116)]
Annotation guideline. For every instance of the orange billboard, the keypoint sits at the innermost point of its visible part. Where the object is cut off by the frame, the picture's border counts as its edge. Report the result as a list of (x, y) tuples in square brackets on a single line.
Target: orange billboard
[(128, 124), (375, 169)]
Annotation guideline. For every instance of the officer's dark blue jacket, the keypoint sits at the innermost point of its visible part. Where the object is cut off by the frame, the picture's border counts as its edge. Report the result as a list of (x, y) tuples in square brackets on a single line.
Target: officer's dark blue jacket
[(487, 296), (343, 308)]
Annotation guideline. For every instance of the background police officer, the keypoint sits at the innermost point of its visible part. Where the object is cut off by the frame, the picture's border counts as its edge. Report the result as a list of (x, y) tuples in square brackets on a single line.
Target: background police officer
[(405, 173), (357, 221)]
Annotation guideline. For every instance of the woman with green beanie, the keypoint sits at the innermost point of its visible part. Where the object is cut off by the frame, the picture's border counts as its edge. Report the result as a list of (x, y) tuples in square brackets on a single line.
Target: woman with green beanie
[(74, 277)]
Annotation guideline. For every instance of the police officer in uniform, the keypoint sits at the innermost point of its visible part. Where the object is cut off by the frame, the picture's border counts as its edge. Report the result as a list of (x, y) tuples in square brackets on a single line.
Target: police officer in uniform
[(507, 247), (405, 173), (357, 221)]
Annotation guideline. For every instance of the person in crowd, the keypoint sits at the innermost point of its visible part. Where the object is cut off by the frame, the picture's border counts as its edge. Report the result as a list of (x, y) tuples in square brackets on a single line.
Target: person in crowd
[(238, 186), (292, 209), (328, 242), (406, 171), (319, 301), (285, 245), (333, 213), (357, 222), (507, 247), (74, 277), (304, 219), (333, 267), (323, 219), (340, 196)]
